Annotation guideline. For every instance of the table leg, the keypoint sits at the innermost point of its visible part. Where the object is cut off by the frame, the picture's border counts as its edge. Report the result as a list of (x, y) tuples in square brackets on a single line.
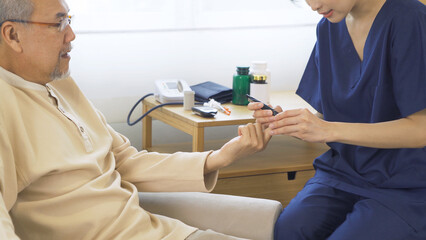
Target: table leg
[(198, 140), (146, 130)]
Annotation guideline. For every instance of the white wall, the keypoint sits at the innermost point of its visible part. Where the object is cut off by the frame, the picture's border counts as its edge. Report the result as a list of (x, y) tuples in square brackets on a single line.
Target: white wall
[(115, 70)]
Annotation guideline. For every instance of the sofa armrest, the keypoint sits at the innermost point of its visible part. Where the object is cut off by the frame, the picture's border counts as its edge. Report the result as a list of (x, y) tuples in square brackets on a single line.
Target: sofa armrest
[(245, 217)]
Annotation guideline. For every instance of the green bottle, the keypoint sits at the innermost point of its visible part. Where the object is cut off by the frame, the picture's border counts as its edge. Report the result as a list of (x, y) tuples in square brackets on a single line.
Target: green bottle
[(241, 86)]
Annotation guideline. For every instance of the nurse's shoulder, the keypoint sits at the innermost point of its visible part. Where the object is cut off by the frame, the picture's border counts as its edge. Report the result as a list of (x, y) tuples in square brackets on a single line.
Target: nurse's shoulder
[(407, 13)]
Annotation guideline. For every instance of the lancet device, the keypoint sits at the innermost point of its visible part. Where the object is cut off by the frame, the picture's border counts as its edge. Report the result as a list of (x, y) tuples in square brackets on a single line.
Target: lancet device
[(265, 106)]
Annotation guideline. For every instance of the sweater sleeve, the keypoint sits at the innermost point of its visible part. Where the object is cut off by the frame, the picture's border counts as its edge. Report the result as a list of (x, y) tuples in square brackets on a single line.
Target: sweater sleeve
[(6, 226), (157, 172), (8, 186)]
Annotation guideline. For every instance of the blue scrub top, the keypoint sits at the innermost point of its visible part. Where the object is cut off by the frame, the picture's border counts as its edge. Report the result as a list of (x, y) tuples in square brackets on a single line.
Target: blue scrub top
[(389, 84)]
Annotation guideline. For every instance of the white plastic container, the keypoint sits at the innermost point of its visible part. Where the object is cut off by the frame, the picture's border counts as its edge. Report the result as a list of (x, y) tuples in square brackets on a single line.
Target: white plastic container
[(261, 92), (188, 100)]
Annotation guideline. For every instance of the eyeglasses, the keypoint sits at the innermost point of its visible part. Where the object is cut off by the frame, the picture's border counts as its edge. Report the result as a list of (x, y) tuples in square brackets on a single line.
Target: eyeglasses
[(59, 26)]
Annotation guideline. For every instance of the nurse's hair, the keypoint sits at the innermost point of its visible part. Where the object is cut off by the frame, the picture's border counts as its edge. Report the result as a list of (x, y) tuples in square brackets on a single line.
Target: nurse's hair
[(15, 9)]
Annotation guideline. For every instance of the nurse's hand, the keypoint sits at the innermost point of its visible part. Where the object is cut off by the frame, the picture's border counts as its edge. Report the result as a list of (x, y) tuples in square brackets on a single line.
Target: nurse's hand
[(251, 138), (264, 117), (302, 124)]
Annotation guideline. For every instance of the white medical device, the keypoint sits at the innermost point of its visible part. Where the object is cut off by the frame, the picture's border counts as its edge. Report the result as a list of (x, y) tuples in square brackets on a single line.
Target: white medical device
[(170, 90)]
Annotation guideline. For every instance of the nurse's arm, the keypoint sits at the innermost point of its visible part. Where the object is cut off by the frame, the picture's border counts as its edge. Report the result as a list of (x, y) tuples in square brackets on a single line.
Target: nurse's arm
[(409, 132)]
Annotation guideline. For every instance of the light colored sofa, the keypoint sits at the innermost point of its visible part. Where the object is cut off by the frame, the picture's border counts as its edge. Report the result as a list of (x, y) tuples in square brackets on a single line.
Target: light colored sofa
[(251, 218)]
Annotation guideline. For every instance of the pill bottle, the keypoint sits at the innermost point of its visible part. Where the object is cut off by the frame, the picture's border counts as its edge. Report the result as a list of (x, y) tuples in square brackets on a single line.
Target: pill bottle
[(241, 86), (260, 68)]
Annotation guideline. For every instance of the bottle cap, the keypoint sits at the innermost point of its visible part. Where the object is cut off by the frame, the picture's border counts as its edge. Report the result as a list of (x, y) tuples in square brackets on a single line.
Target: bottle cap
[(259, 65), (243, 70), (259, 78)]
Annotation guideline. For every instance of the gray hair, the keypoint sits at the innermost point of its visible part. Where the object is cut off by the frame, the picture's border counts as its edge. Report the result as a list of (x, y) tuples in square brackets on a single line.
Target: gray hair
[(15, 9)]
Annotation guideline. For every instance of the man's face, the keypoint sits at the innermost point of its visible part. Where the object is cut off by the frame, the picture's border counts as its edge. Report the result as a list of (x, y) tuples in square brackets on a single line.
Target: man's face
[(45, 48)]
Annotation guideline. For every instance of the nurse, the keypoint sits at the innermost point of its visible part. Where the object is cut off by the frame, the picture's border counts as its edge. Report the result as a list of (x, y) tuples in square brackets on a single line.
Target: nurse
[(366, 77)]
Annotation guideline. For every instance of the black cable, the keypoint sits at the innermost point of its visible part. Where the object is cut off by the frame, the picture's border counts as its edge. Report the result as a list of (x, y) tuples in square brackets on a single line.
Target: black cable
[(150, 110)]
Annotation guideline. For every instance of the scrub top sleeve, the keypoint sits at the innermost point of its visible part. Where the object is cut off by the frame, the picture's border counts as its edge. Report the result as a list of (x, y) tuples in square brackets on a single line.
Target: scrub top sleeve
[(309, 86), (408, 62)]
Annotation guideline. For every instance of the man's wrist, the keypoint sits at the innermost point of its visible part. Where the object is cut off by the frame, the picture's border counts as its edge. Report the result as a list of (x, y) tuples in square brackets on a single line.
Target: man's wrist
[(214, 162)]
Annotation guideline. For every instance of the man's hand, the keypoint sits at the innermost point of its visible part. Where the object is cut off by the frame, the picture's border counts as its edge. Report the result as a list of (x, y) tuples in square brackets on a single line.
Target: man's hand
[(251, 138)]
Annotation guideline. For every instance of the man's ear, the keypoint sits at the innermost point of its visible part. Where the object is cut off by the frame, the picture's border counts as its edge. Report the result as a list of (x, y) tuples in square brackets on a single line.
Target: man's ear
[(10, 36)]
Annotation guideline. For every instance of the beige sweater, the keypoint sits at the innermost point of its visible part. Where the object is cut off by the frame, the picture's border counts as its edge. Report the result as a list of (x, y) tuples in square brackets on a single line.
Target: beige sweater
[(66, 174)]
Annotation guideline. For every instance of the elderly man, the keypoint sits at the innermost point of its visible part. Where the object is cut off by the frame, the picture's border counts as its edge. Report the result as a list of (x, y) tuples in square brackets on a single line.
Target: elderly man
[(64, 172)]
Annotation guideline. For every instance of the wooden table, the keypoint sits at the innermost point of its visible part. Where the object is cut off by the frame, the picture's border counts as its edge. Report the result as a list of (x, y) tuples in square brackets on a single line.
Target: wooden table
[(194, 125), (190, 123)]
